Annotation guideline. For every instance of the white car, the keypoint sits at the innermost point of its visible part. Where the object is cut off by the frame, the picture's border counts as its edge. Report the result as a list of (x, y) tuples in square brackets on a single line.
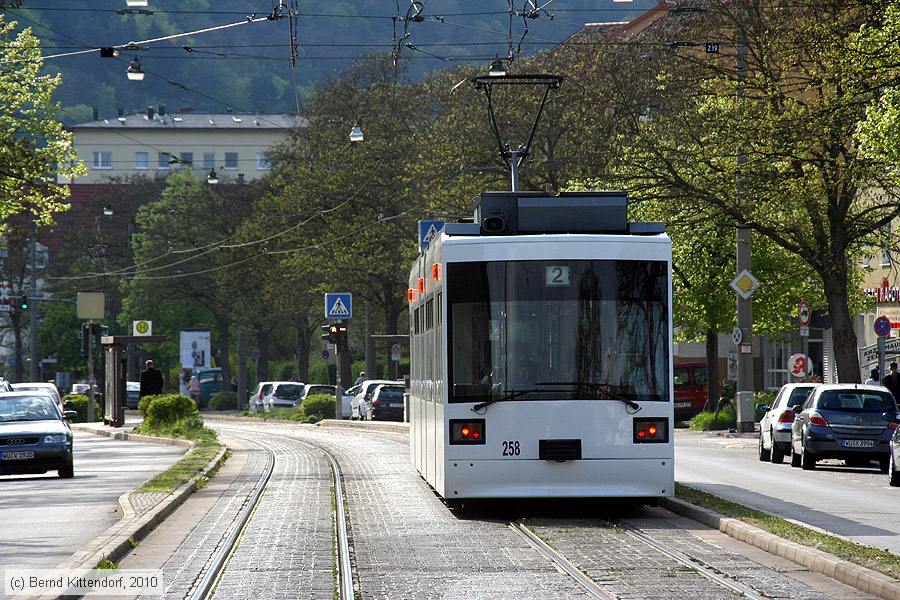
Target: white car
[(359, 403), (40, 386), (775, 425), (347, 399), (284, 394), (257, 398)]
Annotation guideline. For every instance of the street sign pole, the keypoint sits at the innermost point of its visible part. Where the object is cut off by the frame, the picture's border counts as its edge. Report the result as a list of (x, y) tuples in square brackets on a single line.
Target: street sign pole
[(881, 359), (90, 390)]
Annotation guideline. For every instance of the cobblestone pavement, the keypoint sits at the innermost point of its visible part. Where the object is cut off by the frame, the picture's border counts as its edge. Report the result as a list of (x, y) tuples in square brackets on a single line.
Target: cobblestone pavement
[(286, 549), (143, 502)]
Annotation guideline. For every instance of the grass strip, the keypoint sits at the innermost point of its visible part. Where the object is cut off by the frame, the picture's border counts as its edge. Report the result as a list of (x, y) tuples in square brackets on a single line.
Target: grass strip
[(280, 414), (882, 561), (187, 467)]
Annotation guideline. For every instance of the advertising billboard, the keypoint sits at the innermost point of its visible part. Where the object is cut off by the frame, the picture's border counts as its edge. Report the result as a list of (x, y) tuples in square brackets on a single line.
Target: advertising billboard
[(195, 349)]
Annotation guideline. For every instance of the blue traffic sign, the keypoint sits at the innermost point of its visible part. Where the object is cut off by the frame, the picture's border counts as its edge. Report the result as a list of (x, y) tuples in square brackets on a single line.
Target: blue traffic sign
[(325, 354), (428, 230), (882, 326), (339, 305)]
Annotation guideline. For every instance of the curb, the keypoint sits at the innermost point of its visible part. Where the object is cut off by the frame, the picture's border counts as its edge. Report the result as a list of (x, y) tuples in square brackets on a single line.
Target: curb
[(387, 426), (133, 437), (859, 577), (115, 542)]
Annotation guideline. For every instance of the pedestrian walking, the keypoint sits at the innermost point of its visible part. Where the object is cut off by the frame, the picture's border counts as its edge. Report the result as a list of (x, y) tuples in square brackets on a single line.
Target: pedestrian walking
[(360, 378), (194, 389), (151, 380), (873, 379), (892, 381)]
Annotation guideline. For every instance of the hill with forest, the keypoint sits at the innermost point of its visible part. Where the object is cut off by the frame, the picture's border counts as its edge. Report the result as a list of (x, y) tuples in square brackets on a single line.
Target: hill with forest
[(247, 67)]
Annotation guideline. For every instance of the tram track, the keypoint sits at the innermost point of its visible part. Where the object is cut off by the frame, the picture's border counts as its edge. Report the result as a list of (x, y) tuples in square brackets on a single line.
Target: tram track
[(596, 590), (218, 564)]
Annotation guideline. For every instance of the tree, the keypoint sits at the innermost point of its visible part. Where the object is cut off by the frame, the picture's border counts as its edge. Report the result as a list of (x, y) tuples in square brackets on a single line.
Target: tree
[(788, 107), (34, 147)]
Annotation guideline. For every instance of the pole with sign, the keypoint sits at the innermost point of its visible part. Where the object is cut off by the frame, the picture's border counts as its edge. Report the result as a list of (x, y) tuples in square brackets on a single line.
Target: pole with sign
[(882, 330)]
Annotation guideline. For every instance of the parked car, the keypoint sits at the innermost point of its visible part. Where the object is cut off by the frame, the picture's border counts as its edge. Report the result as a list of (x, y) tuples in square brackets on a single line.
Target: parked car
[(775, 425), (210, 379), (5, 386), (39, 385), (82, 388), (387, 403), (284, 394), (691, 389), (846, 422), (34, 435), (132, 393), (311, 389), (359, 403), (347, 401), (894, 447), (258, 397)]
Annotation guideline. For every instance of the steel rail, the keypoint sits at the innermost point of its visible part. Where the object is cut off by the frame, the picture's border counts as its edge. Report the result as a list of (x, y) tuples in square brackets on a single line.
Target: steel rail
[(687, 561), (561, 562), (220, 558)]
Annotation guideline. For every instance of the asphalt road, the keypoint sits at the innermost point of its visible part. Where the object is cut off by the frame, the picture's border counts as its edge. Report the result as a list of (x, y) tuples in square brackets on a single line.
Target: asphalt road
[(854, 503), (44, 519)]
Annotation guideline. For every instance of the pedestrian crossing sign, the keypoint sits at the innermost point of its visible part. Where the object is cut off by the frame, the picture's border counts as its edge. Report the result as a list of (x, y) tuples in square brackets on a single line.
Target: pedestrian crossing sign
[(339, 305), (428, 230)]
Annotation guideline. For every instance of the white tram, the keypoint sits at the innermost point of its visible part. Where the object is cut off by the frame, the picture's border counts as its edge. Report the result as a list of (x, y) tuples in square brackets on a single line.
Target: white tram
[(541, 364)]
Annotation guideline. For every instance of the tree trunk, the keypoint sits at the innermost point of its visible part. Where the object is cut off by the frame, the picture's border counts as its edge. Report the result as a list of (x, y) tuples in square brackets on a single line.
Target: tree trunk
[(846, 354), (224, 350), (17, 333), (303, 335), (712, 368), (391, 315), (262, 365)]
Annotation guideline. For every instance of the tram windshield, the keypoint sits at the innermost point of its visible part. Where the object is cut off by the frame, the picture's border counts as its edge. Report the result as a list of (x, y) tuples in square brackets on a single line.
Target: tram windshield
[(558, 330)]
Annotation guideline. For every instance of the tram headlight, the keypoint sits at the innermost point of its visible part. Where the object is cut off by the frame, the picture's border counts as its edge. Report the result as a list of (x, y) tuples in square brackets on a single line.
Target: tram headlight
[(467, 431), (651, 430)]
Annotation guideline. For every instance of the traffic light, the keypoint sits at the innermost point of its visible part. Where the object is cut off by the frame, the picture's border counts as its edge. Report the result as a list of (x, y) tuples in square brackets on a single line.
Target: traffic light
[(24, 303), (328, 333), (85, 338)]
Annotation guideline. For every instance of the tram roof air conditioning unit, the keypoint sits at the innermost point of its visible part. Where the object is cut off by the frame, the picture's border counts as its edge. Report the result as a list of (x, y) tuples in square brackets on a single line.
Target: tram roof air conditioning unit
[(512, 213)]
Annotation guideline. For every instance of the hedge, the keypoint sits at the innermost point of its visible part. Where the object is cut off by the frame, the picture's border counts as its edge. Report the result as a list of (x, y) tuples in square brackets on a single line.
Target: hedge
[(223, 401), (319, 405), (167, 409), (81, 405)]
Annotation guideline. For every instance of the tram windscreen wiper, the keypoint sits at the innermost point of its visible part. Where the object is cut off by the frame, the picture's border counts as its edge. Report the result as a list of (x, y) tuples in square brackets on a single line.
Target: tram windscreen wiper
[(603, 386), (510, 395)]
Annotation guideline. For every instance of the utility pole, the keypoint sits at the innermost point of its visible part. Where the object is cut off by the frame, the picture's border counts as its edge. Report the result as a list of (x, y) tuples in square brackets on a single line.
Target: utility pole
[(89, 331), (744, 399), (33, 316), (242, 370)]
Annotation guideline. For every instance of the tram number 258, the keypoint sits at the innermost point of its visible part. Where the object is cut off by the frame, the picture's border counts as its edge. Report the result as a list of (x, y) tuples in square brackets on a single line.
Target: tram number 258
[(511, 448)]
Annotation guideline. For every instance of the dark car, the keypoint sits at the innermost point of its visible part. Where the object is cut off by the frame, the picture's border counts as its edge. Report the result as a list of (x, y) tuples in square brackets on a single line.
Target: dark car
[(132, 394), (34, 436), (387, 403), (894, 456), (691, 389), (286, 395), (846, 422)]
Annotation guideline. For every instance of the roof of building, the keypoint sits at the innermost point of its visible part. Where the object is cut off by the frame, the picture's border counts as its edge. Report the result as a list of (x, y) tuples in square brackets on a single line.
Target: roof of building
[(152, 120)]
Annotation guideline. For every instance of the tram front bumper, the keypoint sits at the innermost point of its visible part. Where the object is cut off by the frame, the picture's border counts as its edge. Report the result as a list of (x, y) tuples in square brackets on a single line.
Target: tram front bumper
[(592, 478)]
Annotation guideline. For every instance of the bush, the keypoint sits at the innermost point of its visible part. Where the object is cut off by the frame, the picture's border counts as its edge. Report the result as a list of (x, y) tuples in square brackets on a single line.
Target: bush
[(81, 405), (319, 405), (223, 401), (167, 409), (708, 421)]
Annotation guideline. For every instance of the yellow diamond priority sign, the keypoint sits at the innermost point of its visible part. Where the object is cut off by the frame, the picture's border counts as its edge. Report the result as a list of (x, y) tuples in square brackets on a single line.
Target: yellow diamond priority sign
[(745, 284), (142, 327)]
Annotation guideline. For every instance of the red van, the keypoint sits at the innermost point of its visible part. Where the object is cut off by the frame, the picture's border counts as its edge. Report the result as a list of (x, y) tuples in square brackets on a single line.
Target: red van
[(691, 389)]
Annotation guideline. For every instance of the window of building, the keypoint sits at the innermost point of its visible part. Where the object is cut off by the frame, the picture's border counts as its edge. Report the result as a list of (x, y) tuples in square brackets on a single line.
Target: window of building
[(262, 161), (162, 160), (141, 160), (103, 160), (231, 160), (209, 160), (187, 159)]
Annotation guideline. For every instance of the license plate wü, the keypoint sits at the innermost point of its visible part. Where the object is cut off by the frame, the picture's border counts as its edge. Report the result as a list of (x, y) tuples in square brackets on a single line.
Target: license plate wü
[(858, 443), (19, 455)]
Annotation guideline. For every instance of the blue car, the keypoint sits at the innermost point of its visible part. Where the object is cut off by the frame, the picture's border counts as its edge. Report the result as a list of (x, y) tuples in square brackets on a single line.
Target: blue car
[(34, 435), (853, 423)]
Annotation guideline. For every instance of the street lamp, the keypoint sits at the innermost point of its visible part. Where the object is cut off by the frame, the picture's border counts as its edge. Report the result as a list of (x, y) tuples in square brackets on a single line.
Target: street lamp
[(497, 69), (356, 134), (108, 211), (135, 3), (135, 71), (212, 178)]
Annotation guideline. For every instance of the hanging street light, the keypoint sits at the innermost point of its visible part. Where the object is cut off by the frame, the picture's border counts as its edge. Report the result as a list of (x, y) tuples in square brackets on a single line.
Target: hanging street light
[(135, 71), (498, 69), (356, 134), (136, 3), (108, 211), (212, 178)]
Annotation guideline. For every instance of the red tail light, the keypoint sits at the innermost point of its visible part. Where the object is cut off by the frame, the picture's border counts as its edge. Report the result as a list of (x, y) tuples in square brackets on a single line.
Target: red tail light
[(787, 417), (467, 431), (651, 430), (376, 402), (892, 425), (817, 419)]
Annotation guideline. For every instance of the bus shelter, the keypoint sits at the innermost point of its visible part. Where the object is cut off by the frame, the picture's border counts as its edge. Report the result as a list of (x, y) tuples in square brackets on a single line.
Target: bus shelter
[(115, 352)]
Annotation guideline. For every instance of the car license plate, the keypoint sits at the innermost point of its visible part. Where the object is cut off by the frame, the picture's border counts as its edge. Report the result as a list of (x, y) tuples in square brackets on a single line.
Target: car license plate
[(396, 405), (858, 443), (682, 405), (21, 455)]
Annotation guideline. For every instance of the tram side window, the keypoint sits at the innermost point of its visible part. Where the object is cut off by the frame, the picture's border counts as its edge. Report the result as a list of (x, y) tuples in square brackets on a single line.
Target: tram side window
[(416, 321), (429, 314), (440, 310)]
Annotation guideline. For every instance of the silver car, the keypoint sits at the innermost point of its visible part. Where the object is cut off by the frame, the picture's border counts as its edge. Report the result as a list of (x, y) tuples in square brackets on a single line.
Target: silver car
[(775, 426)]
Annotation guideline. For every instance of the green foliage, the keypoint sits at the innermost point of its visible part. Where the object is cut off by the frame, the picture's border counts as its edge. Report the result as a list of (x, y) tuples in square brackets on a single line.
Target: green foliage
[(223, 401), (80, 402), (58, 336), (187, 467), (710, 421), (319, 405), (167, 409)]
